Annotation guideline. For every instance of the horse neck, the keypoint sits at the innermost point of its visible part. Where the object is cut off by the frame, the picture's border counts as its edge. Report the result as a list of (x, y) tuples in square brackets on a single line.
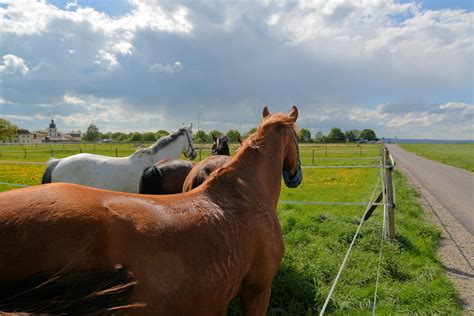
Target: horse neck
[(172, 149), (254, 172)]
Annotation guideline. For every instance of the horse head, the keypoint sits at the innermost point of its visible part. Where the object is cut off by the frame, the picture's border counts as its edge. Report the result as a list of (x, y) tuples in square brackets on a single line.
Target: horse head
[(188, 148), (220, 146), (292, 173)]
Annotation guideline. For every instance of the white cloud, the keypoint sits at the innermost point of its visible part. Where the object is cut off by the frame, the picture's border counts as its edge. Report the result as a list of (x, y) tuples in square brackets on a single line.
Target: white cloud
[(108, 113), (12, 64), (168, 69), (28, 17), (71, 4), (4, 101)]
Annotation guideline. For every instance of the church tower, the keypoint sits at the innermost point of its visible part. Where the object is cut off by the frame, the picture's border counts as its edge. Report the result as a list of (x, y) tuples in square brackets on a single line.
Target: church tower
[(52, 131)]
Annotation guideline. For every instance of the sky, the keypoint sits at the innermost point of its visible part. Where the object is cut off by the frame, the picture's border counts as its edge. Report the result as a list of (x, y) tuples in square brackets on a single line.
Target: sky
[(402, 68)]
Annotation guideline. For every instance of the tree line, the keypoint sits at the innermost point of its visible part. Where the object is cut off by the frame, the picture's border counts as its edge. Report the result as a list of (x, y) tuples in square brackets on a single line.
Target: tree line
[(336, 135)]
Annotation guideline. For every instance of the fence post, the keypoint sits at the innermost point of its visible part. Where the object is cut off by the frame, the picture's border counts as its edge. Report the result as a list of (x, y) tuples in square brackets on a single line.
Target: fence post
[(80, 150), (360, 151), (52, 152), (116, 152), (25, 154), (312, 160), (326, 150), (388, 168), (94, 146), (199, 154)]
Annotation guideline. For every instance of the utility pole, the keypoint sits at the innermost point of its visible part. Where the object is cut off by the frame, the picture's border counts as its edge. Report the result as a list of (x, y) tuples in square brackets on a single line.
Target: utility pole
[(199, 119)]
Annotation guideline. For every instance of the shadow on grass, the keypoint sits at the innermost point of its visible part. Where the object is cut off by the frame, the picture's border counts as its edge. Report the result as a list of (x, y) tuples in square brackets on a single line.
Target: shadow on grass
[(293, 293)]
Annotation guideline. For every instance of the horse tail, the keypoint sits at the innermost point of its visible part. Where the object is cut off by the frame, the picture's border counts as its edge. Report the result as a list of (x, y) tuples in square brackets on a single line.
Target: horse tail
[(96, 291), (150, 181), (52, 163)]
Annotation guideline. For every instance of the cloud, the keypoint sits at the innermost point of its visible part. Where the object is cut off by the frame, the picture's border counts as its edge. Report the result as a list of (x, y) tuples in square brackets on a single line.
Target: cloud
[(396, 67), (25, 17), (168, 69), (71, 4), (13, 64)]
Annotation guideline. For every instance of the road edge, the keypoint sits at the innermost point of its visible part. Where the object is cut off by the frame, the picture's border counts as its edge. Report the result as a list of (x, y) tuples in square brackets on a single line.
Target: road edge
[(455, 249)]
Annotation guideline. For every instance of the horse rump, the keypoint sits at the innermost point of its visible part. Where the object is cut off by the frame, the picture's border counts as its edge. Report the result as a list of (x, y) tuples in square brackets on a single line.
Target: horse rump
[(52, 163), (71, 292)]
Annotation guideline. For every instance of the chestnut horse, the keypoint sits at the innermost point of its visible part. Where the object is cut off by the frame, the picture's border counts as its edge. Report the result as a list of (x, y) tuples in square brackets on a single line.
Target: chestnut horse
[(190, 254), (202, 170)]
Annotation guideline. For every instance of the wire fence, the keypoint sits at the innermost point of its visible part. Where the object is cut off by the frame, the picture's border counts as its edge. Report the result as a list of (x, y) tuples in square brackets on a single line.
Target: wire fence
[(385, 164)]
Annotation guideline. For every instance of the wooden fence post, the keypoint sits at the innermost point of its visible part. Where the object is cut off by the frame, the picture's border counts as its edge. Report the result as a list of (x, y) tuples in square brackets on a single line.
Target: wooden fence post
[(116, 152), (312, 160), (52, 152), (199, 154), (388, 168)]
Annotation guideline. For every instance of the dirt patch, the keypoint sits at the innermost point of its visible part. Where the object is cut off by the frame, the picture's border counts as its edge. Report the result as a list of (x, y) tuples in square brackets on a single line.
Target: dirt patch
[(456, 250)]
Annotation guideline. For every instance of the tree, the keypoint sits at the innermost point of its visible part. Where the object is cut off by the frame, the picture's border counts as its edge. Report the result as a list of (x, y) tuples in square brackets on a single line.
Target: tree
[(368, 134), (118, 136), (107, 135), (161, 133), (7, 130), (92, 133), (233, 135), (336, 136), (201, 137), (305, 135), (352, 135), (214, 133), (319, 137), (251, 131), (135, 137), (149, 137)]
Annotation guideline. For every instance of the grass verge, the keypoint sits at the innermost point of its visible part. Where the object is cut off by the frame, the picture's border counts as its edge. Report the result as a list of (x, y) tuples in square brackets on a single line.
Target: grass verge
[(456, 155)]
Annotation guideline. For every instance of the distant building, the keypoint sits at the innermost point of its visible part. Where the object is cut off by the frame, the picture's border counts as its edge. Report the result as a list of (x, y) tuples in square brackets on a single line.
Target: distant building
[(24, 136), (52, 131)]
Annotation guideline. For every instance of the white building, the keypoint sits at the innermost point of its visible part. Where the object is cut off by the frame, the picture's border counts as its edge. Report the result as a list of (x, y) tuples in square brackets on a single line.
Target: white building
[(24, 136)]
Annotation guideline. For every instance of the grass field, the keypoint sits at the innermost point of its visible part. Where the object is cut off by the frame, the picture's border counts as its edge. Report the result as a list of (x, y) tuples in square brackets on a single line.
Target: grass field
[(457, 155), (316, 237)]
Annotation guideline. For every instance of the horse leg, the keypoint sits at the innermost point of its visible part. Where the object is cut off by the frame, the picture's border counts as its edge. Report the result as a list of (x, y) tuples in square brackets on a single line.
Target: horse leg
[(254, 302)]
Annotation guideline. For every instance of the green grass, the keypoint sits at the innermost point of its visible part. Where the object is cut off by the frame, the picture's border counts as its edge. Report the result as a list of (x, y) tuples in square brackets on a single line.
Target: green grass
[(457, 155), (317, 236)]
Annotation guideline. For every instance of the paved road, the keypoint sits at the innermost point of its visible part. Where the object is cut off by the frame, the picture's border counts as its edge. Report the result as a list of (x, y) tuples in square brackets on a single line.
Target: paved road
[(452, 187)]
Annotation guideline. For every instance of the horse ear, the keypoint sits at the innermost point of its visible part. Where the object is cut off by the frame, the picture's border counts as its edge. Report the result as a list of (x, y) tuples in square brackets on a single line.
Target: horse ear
[(191, 126), (294, 113), (214, 137), (239, 139), (266, 112)]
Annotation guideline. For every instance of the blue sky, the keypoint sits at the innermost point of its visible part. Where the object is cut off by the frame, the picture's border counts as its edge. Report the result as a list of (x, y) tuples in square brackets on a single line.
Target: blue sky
[(403, 68)]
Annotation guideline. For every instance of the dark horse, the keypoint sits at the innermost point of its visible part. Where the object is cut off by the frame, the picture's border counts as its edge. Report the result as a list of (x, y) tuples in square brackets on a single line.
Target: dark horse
[(167, 176), (64, 245)]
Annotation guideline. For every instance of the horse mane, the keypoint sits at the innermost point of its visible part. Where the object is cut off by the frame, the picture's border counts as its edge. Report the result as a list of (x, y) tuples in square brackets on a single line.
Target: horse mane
[(161, 143)]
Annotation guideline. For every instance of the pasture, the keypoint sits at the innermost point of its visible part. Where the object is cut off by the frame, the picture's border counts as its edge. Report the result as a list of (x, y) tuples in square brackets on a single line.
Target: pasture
[(412, 280), (456, 155)]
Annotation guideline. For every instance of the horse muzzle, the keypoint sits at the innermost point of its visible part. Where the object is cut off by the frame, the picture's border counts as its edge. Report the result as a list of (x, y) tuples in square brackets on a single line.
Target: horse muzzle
[(192, 155), (295, 180)]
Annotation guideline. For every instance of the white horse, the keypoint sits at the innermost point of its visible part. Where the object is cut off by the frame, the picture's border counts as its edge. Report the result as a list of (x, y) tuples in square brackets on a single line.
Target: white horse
[(118, 174)]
